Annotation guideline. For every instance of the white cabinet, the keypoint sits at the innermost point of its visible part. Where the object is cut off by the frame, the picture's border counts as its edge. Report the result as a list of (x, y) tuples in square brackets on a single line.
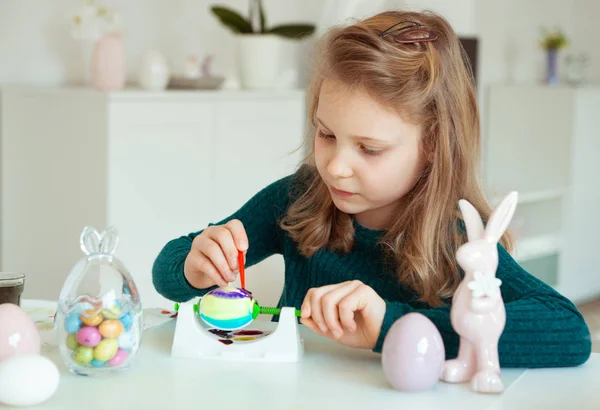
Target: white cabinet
[(154, 165), (544, 142)]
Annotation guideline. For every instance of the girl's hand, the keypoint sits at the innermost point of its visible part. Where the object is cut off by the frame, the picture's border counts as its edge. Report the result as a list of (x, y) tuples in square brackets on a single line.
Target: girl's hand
[(350, 313), (213, 258)]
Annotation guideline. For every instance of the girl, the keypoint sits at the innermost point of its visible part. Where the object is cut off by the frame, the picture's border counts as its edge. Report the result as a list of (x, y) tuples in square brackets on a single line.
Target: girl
[(369, 225)]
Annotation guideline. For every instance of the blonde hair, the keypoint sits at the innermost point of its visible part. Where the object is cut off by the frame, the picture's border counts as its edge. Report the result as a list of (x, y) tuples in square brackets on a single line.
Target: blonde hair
[(429, 84)]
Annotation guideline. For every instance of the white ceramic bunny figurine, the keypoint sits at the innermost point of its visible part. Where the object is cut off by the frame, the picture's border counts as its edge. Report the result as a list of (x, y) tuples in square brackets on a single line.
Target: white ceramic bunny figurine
[(477, 313)]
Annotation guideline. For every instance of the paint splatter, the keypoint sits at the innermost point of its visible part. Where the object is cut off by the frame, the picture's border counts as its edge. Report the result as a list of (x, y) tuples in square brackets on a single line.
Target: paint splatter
[(230, 292), (244, 338), (248, 333), (226, 341), (221, 333)]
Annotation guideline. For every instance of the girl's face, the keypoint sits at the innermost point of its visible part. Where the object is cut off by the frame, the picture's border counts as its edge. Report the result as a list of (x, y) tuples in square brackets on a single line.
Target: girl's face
[(367, 155)]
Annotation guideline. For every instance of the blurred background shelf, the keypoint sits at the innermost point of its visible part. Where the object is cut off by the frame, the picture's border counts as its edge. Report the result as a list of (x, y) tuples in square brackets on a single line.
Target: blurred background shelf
[(537, 247), (543, 142)]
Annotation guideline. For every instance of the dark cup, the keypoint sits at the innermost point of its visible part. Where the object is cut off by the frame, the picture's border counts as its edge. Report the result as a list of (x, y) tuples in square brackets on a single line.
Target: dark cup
[(11, 287)]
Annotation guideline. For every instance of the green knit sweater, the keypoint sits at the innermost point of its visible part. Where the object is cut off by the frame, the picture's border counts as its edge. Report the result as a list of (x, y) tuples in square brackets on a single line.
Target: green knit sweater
[(543, 328)]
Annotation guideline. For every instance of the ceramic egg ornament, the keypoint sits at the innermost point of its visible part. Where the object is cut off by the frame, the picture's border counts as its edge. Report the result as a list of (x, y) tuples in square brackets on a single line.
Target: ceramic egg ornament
[(27, 380), (413, 353), (18, 334)]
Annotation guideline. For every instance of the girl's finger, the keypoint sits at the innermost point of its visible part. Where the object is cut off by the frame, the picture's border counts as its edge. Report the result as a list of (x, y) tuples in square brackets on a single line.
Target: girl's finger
[(238, 231), (206, 267), (309, 323), (305, 309), (351, 303), (330, 308), (212, 250), (225, 240), (313, 301)]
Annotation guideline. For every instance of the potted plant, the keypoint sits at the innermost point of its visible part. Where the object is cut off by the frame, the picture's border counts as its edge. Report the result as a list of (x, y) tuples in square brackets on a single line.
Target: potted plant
[(553, 42), (261, 47)]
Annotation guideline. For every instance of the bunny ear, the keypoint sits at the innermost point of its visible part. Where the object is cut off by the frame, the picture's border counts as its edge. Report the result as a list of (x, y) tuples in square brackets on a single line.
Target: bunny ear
[(110, 240), (501, 217), (89, 241), (472, 220)]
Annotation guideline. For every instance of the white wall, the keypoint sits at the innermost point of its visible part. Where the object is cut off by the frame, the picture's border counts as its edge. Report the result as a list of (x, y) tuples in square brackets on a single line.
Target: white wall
[(36, 46), (586, 30), (35, 42)]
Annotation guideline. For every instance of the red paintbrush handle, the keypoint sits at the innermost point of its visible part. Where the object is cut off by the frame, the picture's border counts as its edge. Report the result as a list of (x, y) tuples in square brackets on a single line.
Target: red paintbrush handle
[(241, 266)]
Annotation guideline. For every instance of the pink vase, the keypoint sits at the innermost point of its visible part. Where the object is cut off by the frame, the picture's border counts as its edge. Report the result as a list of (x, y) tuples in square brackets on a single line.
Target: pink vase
[(108, 63)]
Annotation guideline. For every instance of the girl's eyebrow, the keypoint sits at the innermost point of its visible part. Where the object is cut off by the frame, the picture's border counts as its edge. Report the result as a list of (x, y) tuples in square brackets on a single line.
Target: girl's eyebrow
[(357, 137)]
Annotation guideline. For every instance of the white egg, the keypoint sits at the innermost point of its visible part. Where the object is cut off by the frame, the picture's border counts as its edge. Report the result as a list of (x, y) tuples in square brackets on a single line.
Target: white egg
[(27, 380)]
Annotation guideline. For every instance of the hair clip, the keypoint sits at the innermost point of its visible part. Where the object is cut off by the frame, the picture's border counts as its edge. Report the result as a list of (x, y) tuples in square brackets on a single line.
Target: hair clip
[(409, 32)]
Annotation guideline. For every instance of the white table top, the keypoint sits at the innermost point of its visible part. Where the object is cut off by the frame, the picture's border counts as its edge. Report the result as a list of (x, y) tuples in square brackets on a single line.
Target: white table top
[(329, 376)]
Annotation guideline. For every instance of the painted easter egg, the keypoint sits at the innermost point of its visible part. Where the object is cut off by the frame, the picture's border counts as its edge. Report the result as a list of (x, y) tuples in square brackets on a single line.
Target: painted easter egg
[(227, 308), (18, 334), (413, 353)]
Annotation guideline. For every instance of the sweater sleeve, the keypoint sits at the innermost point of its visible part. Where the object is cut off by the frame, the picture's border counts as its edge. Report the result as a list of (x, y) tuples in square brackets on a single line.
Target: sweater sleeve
[(543, 328), (260, 217)]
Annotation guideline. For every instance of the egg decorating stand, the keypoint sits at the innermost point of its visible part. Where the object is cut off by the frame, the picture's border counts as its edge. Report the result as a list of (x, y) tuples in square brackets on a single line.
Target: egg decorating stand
[(193, 340)]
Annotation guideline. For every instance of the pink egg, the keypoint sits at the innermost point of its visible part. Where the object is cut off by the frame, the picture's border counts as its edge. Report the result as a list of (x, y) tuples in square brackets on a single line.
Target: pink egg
[(118, 358), (89, 336), (18, 334), (413, 353)]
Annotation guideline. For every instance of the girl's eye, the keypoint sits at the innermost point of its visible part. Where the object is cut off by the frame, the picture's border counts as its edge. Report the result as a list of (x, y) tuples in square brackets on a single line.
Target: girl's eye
[(364, 149), (326, 136), (372, 152)]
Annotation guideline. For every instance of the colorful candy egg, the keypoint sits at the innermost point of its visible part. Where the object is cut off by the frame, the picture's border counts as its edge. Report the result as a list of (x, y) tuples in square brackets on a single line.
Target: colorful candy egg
[(106, 350), (126, 340), (90, 319), (127, 320), (73, 323), (83, 355), (113, 312), (88, 336), (227, 308), (97, 363), (118, 358), (72, 342), (111, 329)]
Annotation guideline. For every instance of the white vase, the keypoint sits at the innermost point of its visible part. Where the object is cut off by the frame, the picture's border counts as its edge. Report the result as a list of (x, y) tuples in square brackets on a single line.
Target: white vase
[(262, 60), (154, 71)]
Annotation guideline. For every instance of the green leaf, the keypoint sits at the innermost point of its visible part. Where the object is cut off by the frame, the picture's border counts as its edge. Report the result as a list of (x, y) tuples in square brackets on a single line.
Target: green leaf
[(232, 19), (263, 19), (295, 31)]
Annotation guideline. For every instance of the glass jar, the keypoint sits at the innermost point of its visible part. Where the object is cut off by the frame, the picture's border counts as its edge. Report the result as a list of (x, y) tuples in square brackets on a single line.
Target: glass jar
[(11, 287), (99, 314), (576, 68)]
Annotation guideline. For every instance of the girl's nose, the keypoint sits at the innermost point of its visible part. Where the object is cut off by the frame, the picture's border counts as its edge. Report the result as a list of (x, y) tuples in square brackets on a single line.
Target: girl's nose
[(338, 168)]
